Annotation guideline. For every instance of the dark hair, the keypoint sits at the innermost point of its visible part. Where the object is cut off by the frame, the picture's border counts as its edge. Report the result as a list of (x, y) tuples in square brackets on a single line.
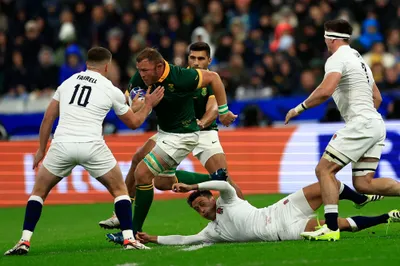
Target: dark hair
[(338, 25), (198, 193), (200, 46), (99, 54), (150, 54)]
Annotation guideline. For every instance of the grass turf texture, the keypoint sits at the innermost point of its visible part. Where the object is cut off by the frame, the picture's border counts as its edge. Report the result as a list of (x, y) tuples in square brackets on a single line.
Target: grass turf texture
[(70, 235)]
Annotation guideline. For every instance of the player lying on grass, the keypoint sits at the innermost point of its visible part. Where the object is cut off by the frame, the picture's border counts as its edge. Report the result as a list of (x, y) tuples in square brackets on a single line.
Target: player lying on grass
[(236, 220)]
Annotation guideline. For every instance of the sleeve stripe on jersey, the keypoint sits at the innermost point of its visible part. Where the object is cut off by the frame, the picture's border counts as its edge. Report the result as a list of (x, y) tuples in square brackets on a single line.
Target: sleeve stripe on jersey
[(200, 78), (211, 96)]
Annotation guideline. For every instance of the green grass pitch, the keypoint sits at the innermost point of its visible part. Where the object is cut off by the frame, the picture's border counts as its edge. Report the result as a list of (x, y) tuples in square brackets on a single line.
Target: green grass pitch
[(69, 235)]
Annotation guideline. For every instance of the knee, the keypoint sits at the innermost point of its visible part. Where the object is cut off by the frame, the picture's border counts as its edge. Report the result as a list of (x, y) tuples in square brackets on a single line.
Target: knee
[(143, 174), (319, 171), (136, 159)]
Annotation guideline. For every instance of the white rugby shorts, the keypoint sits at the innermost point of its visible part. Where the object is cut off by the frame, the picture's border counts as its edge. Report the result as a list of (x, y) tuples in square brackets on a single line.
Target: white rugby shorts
[(94, 156)]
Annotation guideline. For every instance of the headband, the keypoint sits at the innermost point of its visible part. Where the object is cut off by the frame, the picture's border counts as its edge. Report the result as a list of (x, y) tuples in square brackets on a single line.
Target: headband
[(336, 35)]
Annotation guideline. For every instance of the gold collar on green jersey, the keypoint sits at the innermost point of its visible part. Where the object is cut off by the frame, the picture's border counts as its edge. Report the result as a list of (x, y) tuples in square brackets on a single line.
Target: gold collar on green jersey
[(167, 69)]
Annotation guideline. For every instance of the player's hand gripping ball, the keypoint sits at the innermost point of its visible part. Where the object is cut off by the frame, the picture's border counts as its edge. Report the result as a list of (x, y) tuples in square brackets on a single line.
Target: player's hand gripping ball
[(137, 91)]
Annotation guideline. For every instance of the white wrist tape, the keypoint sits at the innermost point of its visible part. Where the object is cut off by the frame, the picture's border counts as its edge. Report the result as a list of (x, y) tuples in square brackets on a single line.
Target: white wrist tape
[(300, 108)]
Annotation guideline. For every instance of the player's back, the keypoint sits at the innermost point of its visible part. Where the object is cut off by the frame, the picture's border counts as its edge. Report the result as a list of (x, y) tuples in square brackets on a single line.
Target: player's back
[(85, 99), (354, 95), (240, 221)]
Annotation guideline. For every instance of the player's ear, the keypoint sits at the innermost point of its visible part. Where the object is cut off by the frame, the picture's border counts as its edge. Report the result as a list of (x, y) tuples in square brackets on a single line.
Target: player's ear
[(106, 68)]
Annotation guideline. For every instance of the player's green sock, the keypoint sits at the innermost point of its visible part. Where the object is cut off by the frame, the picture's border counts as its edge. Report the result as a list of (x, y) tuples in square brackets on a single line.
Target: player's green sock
[(191, 178), (143, 201)]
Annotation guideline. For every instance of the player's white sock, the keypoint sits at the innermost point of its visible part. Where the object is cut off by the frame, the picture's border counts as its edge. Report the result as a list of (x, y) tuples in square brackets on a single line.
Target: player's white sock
[(26, 235), (128, 234), (341, 188)]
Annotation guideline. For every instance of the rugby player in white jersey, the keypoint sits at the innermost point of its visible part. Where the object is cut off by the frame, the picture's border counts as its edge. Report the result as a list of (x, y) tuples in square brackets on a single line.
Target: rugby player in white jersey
[(82, 102), (349, 80), (236, 220)]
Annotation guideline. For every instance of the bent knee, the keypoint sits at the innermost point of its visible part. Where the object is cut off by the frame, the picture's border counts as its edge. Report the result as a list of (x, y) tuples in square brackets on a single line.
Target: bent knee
[(137, 157), (143, 175)]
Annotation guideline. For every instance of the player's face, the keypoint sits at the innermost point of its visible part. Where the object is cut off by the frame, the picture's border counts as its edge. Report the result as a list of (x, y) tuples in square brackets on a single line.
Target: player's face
[(205, 207), (199, 59), (149, 71)]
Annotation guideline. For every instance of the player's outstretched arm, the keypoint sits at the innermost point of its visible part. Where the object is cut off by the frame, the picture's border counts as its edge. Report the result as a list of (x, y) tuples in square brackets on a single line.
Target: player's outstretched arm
[(52, 112), (227, 192), (171, 239), (322, 93), (211, 113), (226, 117), (134, 120), (377, 97)]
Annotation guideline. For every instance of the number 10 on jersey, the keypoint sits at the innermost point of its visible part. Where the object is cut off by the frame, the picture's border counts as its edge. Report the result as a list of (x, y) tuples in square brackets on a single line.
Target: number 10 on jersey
[(84, 95)]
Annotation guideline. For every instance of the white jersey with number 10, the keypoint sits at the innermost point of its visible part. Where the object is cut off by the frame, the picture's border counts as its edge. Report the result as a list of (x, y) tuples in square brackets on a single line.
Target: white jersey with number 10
[(85, 99)]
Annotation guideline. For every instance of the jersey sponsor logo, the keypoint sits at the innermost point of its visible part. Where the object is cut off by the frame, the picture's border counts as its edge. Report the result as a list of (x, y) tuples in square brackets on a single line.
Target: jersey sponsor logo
[(220, 210), (203, 91), (171, 87)]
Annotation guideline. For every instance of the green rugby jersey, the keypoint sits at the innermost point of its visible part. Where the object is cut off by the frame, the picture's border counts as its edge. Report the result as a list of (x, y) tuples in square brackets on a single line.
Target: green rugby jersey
[(200, 99), (175, 112)]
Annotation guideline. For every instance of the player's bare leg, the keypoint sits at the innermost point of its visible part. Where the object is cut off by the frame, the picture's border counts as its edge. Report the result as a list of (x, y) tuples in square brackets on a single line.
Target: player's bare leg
[(367, 184), (137, 157), (114, 182), (326, 171), (331, 162), (113, 222), (44, 182)]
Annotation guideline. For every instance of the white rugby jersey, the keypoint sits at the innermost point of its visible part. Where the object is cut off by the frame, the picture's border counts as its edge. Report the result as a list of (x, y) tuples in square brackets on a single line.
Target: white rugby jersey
[(236, 221), (353, 96), (85, 99)]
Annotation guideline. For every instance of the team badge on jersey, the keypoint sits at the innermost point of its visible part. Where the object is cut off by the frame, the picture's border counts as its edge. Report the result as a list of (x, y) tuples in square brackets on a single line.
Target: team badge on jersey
[(171, 87), (204, 91), (220, 210)]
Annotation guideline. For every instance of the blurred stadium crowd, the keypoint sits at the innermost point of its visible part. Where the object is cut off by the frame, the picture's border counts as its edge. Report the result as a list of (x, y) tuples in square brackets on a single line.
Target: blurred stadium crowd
[(261, 48)]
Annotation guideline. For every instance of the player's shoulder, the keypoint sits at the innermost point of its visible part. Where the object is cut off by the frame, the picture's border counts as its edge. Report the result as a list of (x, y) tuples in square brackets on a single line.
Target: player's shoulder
[(178, 71)]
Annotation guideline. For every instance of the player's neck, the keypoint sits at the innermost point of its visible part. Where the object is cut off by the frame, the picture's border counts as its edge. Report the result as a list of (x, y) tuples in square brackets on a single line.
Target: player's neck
[(94, 69), (338, 46)]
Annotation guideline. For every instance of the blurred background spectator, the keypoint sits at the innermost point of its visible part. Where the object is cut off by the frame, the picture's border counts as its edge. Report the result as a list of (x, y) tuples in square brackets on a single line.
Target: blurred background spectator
[(262, 49)]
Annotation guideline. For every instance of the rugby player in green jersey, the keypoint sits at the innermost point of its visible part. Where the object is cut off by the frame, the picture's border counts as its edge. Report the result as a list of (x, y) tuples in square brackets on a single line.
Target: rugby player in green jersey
[(177, 137)]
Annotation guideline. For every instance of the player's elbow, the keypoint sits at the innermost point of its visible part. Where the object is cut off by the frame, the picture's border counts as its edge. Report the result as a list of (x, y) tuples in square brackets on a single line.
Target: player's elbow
[(377, 100), (134, 123)]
